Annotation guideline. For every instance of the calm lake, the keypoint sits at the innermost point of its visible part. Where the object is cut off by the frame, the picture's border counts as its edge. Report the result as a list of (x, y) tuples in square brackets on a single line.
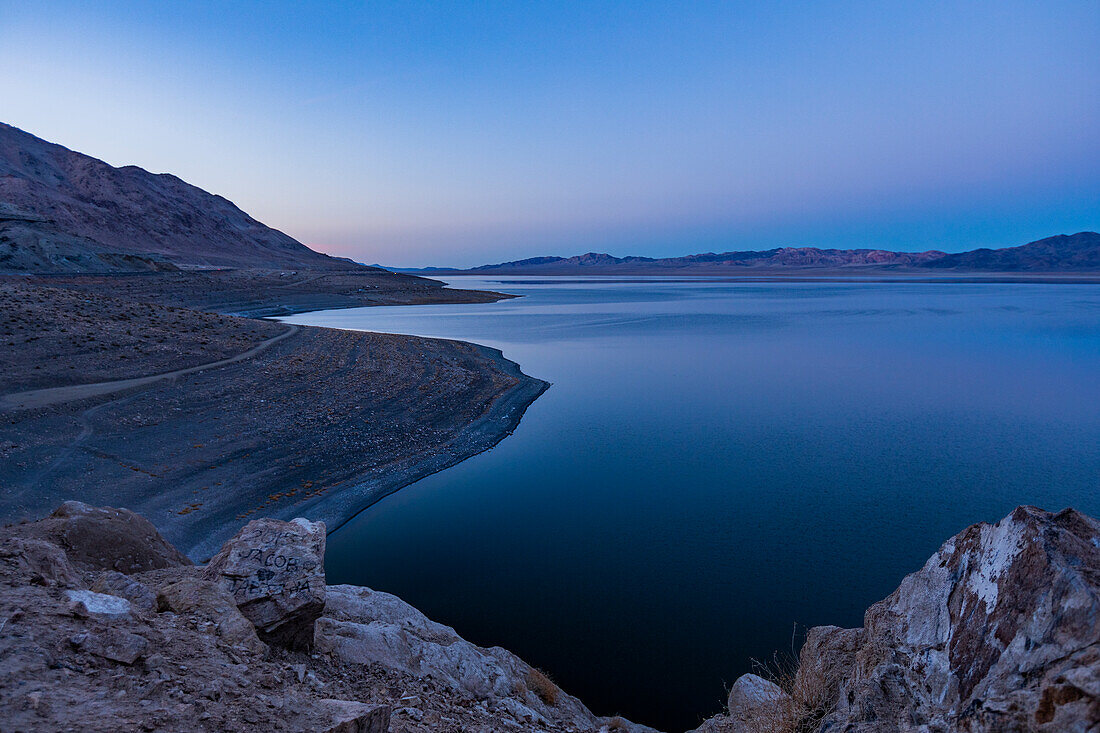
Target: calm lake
[(719, 465)]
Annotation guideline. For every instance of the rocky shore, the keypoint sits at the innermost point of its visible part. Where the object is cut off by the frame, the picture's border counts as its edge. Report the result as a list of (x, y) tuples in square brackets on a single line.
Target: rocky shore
[(106, 626)]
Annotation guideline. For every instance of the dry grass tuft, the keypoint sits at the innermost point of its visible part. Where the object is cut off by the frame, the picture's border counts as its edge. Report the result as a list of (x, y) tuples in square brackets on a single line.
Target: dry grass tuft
[(812, 697), (543, 686)]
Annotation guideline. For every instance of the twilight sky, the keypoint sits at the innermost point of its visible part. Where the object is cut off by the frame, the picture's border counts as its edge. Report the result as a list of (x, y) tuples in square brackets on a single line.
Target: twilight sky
[(437, 133)]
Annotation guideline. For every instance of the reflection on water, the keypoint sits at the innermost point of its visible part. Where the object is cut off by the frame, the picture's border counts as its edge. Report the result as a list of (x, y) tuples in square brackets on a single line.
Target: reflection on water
[(717, 462)]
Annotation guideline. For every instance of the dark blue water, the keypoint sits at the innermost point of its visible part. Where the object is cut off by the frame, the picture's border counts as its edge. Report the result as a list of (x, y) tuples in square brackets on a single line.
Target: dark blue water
[(717, 463)]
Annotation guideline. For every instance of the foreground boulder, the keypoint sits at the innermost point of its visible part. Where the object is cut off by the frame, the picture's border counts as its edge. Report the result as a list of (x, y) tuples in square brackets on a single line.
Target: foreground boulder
[(38, 562), (104, 538), (999, 631), (275, 572), (214, 606), (757, 703)]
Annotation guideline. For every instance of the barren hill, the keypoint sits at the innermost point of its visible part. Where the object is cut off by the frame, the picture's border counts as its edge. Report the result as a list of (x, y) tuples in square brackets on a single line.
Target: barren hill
[(1073, 253), (62, 211)]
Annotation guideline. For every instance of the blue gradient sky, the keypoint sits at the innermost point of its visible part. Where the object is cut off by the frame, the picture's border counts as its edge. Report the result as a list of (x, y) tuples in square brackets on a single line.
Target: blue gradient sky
[(440, 133)]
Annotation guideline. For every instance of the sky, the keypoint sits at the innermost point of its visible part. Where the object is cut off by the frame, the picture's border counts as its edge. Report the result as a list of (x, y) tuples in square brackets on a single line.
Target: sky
[(438, 133)]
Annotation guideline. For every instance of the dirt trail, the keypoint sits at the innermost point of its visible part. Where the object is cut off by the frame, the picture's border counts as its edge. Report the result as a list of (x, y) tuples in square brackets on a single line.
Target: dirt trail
[(54, 395)]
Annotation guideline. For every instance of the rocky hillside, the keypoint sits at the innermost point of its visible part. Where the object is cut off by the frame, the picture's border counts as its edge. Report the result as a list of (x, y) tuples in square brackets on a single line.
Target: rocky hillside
[(61, 211), (107, 627), (999, 631)]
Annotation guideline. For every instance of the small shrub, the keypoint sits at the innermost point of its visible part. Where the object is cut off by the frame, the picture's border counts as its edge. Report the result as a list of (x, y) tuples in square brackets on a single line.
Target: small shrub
[(543, 686)]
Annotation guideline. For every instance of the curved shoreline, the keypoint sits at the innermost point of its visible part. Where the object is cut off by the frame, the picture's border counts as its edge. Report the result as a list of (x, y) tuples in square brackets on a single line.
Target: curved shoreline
[(367, 487), (483, 434)]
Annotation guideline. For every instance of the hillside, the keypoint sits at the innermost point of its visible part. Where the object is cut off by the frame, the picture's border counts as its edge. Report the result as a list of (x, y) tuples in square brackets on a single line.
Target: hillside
[(1075, 253), (62, 211)]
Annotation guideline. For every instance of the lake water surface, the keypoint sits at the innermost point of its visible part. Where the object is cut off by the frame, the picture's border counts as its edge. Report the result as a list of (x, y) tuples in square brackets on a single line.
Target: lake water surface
[(718, 463)]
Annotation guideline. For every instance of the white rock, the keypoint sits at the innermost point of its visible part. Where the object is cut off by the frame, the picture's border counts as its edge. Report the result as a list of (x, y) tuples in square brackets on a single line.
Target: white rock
[(363, 626), (751, 692), (99, 603), (1000, 630)]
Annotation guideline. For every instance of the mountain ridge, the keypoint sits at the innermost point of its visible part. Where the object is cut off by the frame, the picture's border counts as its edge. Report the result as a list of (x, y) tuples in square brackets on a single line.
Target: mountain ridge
[(1061, 253)]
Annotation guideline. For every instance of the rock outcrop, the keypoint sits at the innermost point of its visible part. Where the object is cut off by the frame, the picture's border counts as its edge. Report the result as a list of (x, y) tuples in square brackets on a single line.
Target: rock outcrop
[(362, 626), (999, 631)]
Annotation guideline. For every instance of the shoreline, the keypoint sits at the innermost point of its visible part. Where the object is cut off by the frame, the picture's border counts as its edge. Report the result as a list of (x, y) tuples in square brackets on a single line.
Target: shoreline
[(320, 422), (485, 433), (500, 420), (268, 310)]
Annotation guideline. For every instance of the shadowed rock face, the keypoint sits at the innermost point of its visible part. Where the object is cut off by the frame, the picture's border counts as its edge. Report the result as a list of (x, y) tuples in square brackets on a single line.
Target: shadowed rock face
[(1000, 630), (64, 211)]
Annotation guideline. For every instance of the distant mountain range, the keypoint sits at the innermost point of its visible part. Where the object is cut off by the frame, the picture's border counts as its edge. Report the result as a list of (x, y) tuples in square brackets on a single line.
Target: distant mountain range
[(62, 211), (1073, 253)]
